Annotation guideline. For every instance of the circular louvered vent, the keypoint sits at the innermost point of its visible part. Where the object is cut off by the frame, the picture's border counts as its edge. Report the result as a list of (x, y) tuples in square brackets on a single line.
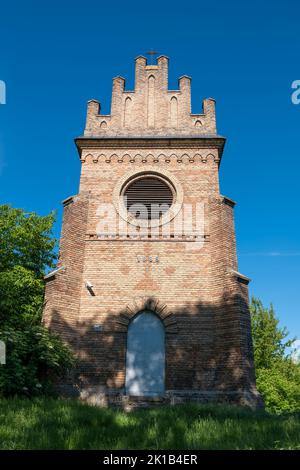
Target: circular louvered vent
[(148, 197)]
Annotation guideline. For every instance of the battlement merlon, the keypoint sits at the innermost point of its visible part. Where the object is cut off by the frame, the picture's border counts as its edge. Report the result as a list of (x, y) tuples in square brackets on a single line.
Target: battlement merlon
[(151, 108)]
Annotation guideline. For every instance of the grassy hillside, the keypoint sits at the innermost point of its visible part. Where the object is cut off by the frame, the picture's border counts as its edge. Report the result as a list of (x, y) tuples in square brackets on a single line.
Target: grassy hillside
[(61, 424)]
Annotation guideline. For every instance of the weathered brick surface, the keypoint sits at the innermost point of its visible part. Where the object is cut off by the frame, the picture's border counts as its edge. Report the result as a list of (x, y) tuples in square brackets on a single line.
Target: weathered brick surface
[(197, 292)]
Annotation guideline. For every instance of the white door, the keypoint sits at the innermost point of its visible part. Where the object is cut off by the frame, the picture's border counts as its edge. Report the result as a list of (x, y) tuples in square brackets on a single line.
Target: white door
[(145, 356)]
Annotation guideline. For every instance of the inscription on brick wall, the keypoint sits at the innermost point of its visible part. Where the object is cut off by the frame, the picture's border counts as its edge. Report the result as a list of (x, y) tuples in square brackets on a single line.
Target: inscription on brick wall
[(147, 259)]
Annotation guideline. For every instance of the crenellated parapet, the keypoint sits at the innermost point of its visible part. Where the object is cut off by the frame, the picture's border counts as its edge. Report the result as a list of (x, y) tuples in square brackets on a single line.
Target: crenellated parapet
[(151, 109)]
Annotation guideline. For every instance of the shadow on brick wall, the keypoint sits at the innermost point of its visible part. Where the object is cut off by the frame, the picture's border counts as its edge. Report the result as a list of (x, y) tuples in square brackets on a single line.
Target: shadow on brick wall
[(208, 348)]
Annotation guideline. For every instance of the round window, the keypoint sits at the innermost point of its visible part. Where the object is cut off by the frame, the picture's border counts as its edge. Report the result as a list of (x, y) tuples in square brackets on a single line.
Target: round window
[(148, 197)]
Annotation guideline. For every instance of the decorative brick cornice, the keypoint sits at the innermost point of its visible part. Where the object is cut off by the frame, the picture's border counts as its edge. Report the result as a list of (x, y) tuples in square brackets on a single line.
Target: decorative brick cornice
[(187, 156), (138, 142)]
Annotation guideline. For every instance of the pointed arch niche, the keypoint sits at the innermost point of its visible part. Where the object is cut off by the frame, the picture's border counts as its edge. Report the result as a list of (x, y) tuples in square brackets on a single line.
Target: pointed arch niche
[(127, 111), (151, 102), (174, 111)]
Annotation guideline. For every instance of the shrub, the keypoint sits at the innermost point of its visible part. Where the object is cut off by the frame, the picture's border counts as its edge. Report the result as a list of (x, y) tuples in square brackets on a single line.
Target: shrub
[(34, 359)]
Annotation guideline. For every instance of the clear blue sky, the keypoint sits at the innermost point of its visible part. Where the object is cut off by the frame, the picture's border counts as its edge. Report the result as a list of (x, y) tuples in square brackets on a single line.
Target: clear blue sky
[(56, 55)]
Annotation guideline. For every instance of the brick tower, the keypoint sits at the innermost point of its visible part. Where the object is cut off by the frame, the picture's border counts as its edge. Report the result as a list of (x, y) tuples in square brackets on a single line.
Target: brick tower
[(150, 299)]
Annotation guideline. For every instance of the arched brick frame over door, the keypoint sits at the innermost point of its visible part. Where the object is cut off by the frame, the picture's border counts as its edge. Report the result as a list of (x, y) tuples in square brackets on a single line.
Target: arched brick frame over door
[(152, 304)]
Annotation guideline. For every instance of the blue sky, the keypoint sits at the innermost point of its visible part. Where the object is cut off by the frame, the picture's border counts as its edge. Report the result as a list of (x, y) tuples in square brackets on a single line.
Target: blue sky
[(56, 55)]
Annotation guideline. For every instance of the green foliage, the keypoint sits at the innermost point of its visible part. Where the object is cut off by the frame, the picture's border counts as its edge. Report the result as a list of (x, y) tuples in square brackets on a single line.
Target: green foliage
[(280, 388), (21, 296), (278, 376), (268, 338), (34, 356), (26, 240), (67, 424)]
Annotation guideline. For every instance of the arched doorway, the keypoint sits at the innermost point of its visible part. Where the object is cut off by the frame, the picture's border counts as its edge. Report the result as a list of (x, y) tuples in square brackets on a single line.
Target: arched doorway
[(145, 356)]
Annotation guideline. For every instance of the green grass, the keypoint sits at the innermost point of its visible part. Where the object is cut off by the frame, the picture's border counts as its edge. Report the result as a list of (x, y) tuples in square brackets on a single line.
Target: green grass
[(68, 424)]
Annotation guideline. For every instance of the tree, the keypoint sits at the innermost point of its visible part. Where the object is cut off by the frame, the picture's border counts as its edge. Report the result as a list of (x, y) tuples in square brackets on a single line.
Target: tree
[(21, 296), (26, 240), (278, 375), (34, 356), (269, 339)]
